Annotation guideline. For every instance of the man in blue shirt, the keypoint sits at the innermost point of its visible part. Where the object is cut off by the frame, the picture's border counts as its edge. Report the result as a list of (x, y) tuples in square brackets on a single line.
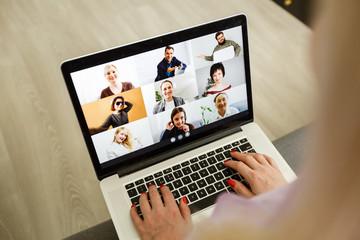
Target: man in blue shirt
[(166, 68)]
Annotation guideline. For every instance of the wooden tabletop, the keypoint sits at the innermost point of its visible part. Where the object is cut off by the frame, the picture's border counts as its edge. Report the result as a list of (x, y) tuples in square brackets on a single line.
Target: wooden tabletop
[(49, 189)]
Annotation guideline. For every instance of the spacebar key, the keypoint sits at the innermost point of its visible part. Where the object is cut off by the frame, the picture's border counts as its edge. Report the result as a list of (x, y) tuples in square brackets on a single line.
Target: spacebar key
[(204, 203)]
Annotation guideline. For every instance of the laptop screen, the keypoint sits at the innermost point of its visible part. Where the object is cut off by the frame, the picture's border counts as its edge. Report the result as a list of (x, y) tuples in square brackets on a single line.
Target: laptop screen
[(151, 97)]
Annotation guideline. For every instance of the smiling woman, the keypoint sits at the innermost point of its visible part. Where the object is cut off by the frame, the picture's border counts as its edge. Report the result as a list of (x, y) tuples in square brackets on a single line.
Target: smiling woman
[(116, 86), (217, 74)]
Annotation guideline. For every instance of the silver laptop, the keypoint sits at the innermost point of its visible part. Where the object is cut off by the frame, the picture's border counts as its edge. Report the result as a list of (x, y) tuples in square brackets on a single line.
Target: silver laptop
[(138, 132)]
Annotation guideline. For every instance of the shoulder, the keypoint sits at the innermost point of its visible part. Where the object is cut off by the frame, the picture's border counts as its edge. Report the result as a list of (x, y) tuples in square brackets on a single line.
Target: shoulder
[(106, 92), (127, 86), (233, 110)]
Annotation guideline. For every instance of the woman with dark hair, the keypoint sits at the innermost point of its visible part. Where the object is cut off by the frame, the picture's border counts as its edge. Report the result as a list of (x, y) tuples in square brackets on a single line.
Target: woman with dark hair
[(217, 73), (119, 116), (177, 125)]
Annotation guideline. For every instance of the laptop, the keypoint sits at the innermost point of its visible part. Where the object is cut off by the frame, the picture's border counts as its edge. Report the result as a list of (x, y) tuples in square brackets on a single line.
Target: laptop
[(138, 133)]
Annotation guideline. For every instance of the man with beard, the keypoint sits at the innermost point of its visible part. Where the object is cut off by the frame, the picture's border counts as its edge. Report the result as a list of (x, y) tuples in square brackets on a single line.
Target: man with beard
[(222, 43)]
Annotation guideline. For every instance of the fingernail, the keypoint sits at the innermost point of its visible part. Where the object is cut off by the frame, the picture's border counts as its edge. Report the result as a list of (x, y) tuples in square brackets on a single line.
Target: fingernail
[(226, 160), (132, 205), (162, 185), (184, 200), (143, 192), (151, 185), (231, 183), (232, 151)]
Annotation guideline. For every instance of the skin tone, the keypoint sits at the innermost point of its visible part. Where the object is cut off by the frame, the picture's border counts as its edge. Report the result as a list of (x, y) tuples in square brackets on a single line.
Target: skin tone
[(120, 137), (167, 91), (169, 54), (221, 104), (111, 74), (218, 79), (119, 107), (179, 122), (220, 39)]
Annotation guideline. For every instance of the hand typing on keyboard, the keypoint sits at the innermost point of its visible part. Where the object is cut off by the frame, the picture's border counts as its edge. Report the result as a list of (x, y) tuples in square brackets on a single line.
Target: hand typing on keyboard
[(162, 220), (259, 170)]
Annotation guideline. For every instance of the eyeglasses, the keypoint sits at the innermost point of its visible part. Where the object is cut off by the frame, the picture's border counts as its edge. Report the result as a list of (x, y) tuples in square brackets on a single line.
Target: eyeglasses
[(119, 103)]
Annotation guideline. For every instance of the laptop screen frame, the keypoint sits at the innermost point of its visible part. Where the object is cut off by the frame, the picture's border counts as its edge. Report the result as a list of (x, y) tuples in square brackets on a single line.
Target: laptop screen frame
[(164, 151)]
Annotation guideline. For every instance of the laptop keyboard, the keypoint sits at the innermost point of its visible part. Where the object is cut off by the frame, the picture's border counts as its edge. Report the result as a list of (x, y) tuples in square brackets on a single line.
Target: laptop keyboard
[(200, 179)]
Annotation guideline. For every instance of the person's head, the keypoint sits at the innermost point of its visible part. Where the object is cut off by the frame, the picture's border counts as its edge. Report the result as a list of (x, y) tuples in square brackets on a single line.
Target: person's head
[(123, 136), (117, 102), (111, 73), (217, 72), (178, 117), (220, 101), (220, 38), (166, 88), (169, 53)]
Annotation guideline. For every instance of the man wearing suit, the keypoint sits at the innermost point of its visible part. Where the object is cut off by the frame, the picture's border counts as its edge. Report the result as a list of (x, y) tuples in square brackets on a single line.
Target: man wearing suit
[(166, 68), (169, 101)]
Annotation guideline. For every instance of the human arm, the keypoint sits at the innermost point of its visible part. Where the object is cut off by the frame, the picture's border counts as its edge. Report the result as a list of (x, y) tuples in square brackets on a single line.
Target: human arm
[(237, 48), (162, 220), (128, 107), (259, 170)]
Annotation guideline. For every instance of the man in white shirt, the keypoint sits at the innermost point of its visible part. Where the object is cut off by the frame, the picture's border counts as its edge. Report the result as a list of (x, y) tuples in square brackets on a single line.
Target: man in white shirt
[(169, 101)]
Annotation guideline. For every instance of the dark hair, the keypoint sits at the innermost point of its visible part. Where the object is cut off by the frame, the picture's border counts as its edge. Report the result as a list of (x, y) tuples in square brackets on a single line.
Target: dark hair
[(219, 95), (114, 100), (165, 82), (215, 67), (169, 47), (217, 34), (176, 111)]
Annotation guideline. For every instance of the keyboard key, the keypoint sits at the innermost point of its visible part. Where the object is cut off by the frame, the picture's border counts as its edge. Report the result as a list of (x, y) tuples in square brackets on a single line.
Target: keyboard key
[(218, 176), (244, 140), (169, 177), (227, 154), (234, 144), (168, 170), (158, 174), (183, 191), (236, 177), (195, 176), (177, 183), (194, 160), (236, 149), (227, 172), (138, 182), (204, 172), (245, 147), (135, 200), (148, 178), (219, 185), (219, 150), (186, 170), (212, 153), (176, 167), (210, 189), (178, 174), (141, 189), (201, 183), (186, 180), (201, 157), (220, 166), (193, 197), (150, 182), (187, 163), (195, 167), (170, 186), (227, 147), (130, 185), (251, 151), (176, 194), (211, 160), (210, 179), (160, 181), (132, 192), (220, 157), (212, 169), (201, 193), (193, 187), (204, 164)]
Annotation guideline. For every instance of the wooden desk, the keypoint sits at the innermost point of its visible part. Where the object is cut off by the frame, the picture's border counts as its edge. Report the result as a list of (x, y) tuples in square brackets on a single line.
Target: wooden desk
[(48, 187)]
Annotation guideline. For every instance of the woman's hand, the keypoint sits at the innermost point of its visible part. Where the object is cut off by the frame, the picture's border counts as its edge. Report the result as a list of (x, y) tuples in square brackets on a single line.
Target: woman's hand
[(169, 125), (162, 220), (259, 170), (185, 128)]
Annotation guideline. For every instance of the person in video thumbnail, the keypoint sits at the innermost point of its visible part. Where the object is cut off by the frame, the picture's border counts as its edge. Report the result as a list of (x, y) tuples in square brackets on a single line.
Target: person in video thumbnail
[(116, 86), (119, 116), (177, 125), (222, 43), (169, 101), (217, 74), (166, 68), (223, 110), (123, 143)]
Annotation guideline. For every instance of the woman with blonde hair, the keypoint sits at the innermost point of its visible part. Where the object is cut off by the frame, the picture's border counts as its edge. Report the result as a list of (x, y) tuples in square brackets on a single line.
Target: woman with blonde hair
[(123, 143), (323, 203), (116, 86)]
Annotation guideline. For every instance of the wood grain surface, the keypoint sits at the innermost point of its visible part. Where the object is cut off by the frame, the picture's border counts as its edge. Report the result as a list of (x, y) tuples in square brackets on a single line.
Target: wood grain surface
[(48, 186)]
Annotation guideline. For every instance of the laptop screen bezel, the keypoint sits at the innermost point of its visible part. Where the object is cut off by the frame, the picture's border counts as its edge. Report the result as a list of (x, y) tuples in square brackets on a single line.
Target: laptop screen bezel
[(164, 151)]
